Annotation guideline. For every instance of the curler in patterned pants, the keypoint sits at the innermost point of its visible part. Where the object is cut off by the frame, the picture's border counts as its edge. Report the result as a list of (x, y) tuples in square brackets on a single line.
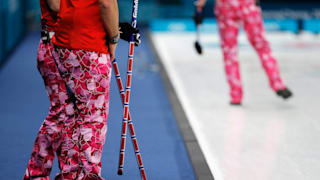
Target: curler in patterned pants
[(76, 137), (229, 19)]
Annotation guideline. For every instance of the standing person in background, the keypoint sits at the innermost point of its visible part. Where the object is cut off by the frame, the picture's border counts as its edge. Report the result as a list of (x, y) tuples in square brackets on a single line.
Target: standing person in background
[(230, 15)]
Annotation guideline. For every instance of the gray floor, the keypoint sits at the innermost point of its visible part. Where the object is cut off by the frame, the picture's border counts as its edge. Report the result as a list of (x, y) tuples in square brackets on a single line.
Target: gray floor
[(265, 138)]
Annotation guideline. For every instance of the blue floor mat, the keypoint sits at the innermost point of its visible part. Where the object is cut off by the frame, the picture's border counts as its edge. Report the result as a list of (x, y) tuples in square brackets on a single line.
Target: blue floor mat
[(24, 105)]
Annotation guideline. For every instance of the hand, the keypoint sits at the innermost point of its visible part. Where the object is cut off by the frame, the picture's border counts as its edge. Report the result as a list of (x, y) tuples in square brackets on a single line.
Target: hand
[(126, 30), (112, 50)]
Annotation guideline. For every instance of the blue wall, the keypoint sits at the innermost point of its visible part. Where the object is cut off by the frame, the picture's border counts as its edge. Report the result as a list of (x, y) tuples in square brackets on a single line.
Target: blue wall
[(12, 25), (15, 20), (1, 30), (150, 9)]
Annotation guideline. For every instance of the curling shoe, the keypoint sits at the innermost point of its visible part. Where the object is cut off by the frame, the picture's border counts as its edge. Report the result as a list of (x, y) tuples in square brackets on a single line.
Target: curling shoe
[(284, 93)]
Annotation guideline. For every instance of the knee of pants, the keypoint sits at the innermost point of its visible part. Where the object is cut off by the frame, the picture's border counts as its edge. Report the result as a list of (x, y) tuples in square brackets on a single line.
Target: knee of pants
[(260, 44)]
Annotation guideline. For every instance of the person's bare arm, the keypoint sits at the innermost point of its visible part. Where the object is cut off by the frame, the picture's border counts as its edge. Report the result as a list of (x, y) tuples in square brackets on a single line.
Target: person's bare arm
[(110, 16), (200, 5), (54, 5)]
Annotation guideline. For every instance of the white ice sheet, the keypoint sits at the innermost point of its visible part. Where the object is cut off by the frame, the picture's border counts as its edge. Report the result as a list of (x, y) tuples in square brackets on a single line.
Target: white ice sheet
[(265, 138)]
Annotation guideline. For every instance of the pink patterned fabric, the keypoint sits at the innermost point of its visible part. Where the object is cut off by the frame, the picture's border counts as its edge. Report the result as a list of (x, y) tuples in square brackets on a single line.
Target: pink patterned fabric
[(230, 15), (235, 3), (76, 137), (88, 74), (49, 136)]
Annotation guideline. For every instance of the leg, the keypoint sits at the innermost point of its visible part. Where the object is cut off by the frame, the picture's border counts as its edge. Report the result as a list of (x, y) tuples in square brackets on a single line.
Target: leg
[(253, 25), (49, 136), (88, 75), (68, 152), (228, 29), (46, 143)]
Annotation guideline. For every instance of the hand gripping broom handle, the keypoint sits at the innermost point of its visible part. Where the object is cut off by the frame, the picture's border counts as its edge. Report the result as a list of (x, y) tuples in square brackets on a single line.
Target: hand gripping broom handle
[(124, 129)]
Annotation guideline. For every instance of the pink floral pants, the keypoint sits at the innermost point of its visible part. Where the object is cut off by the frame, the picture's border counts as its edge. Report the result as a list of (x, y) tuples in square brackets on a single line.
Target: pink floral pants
[(229, 18), (77, 137)]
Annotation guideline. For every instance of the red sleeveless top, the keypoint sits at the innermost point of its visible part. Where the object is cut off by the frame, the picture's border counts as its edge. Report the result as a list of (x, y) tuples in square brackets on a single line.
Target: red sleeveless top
[(80, 26)]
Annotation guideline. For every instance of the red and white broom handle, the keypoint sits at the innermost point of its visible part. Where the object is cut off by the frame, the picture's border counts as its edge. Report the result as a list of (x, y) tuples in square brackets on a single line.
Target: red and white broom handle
[(124, 129)]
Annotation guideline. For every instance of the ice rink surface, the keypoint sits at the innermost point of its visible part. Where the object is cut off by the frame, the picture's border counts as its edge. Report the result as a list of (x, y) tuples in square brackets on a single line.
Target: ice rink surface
[(265, 138)]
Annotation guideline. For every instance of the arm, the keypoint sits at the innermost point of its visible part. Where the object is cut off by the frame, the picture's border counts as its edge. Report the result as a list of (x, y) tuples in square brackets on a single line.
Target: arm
[(200, 4), (54, 5), (110, 16)]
